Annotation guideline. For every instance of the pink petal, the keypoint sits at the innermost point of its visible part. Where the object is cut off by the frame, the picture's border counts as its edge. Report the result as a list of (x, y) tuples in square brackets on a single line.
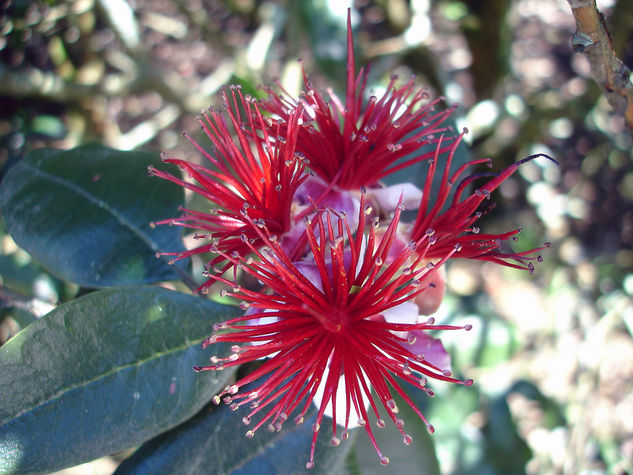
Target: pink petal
[(403, 313), (431, 348), (387, 198), (429, 301)]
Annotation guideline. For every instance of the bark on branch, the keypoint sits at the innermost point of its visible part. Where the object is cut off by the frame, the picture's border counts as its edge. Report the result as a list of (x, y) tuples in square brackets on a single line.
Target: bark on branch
[(593, 40)]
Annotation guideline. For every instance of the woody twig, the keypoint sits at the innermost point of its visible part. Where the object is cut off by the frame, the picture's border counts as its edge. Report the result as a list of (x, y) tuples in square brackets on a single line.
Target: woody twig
[(593, 40)]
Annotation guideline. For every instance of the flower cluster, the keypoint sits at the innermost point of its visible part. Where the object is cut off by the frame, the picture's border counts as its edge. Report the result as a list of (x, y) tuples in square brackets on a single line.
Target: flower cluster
[(341, 280)]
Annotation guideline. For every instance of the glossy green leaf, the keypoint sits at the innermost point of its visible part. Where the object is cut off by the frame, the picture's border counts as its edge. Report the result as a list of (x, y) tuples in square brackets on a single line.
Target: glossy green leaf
[(104, 373), (214, 442), (85, 214)]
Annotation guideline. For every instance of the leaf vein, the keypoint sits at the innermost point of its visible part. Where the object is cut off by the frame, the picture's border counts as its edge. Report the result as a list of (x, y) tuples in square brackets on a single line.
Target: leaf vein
[(84, 383), (123, 221)]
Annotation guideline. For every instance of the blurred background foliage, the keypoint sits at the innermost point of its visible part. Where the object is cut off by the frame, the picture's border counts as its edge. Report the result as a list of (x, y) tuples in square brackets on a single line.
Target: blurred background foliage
[(551, 353)]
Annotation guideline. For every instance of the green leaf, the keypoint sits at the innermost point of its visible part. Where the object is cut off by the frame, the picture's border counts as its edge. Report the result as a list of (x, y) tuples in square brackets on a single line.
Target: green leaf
[(418, 458), (104, 373), (500, 439), (214, 442), (85, 214)]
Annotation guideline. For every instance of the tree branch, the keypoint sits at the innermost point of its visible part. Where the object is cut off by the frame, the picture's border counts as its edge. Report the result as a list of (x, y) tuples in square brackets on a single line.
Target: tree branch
[(593, 40)]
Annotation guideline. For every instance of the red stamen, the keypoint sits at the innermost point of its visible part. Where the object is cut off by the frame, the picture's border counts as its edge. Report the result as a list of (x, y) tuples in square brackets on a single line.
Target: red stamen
[(334, 327), (454, 226), (261, 182), (352, 145)]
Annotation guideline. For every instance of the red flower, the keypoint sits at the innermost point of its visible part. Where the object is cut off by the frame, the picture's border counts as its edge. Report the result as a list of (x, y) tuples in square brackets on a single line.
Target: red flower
[(337, 313), (455, 226), (262, 181), (328, 327), (353, 144)]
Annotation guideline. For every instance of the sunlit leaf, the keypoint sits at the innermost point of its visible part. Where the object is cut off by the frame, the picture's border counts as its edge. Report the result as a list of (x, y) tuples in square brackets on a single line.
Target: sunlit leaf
[(85, 214), (102, 374)]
